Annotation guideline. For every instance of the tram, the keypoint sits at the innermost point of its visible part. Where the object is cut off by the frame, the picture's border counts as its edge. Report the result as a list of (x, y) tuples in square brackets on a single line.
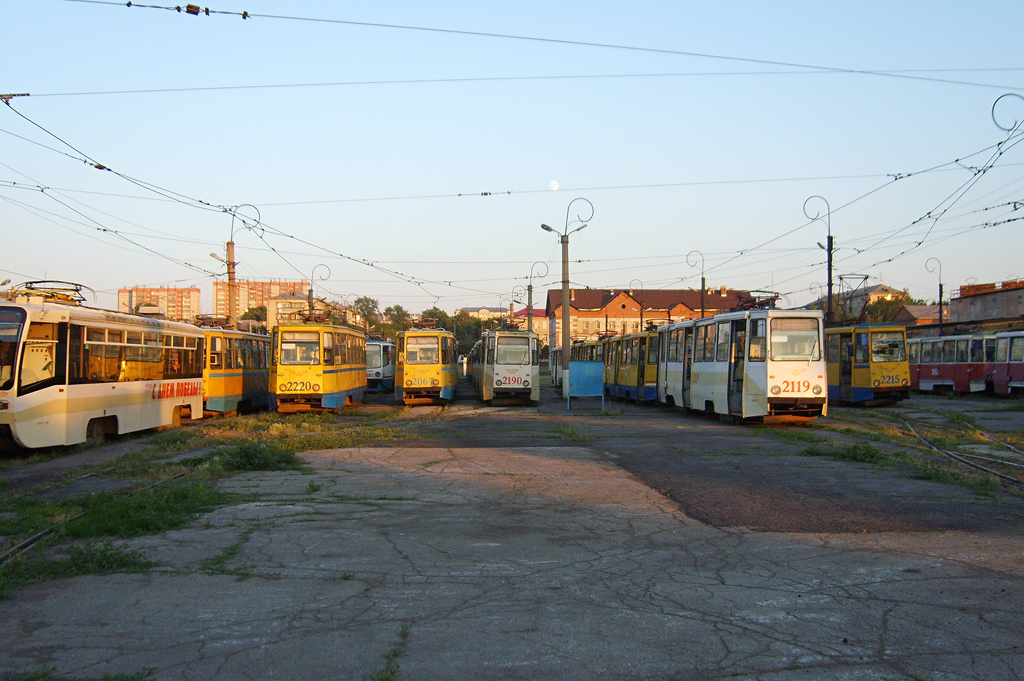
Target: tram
[(1008, 368), (236, 377), (958, 364), (426, 366), (317, 367), (763, 365), (506, 366), (380, 365), (71, 374), (867, 364), (631, 366)]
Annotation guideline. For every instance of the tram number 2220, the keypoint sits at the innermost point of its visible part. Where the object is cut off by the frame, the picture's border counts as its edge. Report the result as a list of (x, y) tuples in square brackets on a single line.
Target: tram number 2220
[(299, 387)]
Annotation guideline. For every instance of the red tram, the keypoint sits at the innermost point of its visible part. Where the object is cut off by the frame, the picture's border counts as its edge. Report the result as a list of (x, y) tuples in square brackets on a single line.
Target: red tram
[(953, 364)]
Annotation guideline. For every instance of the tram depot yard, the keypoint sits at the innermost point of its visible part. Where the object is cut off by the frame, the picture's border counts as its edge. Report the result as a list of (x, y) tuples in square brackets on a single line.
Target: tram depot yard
[(504, 543)]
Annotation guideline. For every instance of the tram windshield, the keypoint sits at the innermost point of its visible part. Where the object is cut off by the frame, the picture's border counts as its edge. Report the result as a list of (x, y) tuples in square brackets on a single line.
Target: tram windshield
[(373, 356), (888, 346), (421, 350), (11, 322), (512, 350), (300, 347), (795, 340)]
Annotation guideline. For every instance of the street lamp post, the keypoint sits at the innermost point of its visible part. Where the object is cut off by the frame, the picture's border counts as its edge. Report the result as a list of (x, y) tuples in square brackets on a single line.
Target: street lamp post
[(829, 248), (529, 295), (230, 261), (641, 287), (703, 285), (312, 276), (938, 266), (564, 240), (517, 298)]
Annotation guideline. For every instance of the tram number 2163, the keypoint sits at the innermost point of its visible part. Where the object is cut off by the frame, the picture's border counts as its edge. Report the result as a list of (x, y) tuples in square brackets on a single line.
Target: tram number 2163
[(299, 387)]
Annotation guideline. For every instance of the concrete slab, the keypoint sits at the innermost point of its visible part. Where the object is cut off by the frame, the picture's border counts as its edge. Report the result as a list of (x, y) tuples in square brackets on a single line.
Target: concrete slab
[(507, 563)]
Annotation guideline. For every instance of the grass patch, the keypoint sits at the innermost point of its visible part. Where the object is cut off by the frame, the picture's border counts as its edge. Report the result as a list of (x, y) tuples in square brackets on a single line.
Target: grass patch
[(149, 511), (857, 452), (791, 435), (574, 433), (94, 558), (389, 672)]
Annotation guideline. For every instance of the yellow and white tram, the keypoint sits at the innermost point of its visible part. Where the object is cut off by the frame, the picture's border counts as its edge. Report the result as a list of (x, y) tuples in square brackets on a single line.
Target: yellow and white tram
[(317, 367), (72, 374), (752, 364), (427, 365), (380, 365), (507, 366)]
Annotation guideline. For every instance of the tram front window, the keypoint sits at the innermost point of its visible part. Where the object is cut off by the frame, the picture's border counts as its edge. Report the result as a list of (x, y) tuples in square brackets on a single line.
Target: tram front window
[(300, 347), (421, 350), (11, 322), (512, 351), (888, 346), (373, 356), (795, 340)]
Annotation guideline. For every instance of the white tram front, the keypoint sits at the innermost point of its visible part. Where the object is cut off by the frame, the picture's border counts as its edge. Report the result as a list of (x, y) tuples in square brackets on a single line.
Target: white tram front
[(507, 366), (72, 374), (753, 364)]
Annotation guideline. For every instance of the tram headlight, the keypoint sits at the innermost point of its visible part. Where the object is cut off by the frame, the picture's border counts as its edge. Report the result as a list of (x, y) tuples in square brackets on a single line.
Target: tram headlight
[(409, 382), (526, 383), (816, 389), (776, 390), (497, 383), (906, 382), (878, 383), (376, 374), (434, 382)]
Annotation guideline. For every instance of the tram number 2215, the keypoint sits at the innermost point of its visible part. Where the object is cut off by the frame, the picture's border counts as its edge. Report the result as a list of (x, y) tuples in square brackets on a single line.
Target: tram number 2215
[(299, 387)]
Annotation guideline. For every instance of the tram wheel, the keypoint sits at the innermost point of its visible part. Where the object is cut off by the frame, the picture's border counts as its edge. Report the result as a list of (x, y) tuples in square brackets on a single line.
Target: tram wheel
[(95, 433)]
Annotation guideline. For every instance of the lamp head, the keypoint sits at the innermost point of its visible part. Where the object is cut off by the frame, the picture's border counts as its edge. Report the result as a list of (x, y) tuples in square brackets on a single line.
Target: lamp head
[(546, 228)]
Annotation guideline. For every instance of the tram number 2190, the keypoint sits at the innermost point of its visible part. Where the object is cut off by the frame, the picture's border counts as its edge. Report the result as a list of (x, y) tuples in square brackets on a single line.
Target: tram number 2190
[(299, 387), (511, 380)]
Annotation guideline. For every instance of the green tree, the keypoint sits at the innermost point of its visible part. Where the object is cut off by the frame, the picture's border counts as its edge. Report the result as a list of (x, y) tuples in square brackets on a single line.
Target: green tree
[(396, 318), (258, 313), (369, 310), (443, 319), (467, 331), (884, 310)]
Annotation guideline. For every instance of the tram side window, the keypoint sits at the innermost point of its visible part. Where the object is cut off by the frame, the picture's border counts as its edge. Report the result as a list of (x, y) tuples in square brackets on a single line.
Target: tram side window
[(722, 349), (913, 352), (990, 349), (329, 350), (1002, 349), (832, 349), (1017, 349), (652, 350), (447, 350), (948, 352), (216, 350), (926, 353), (961, 350), (860, 351), (758, 339), (42, 358), (977, 350)]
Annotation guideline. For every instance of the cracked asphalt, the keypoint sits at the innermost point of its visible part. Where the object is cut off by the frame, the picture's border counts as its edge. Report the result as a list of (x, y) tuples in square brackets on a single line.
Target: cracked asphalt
[(535, 544)]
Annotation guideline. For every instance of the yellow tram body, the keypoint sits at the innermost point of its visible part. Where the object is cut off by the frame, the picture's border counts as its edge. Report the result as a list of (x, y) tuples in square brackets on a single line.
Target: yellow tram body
[(237, 372), (317, 367), (867, 363), (427, 365)]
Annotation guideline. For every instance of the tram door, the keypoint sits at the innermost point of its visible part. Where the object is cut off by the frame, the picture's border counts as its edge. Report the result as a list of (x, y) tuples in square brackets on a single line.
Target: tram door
[(846, 367), (687, 351), (737, 355)]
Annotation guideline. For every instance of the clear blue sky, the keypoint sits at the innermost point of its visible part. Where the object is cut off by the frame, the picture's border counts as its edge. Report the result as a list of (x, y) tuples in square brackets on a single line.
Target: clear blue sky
[(709, 135)]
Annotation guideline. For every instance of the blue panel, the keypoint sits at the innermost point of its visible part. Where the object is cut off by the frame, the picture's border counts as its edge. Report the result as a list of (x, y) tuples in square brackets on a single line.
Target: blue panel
[(863, 394), (448, 392), (586, 379), (833, 393)]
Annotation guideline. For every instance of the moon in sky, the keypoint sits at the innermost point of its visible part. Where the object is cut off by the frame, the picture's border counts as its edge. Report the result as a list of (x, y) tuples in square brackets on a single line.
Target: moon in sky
[(554, 185)]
